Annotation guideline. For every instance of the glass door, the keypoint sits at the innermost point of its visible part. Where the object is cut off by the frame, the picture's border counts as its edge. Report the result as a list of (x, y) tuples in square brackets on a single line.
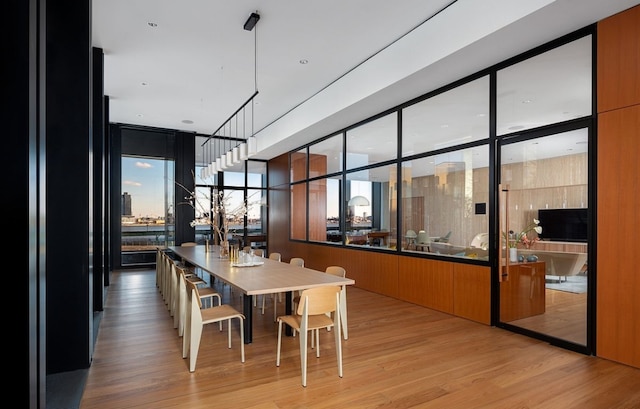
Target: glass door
[(543, 221)]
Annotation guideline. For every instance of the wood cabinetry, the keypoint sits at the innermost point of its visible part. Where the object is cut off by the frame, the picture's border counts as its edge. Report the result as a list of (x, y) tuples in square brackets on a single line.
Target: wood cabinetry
[(561, 246), (522, 294)]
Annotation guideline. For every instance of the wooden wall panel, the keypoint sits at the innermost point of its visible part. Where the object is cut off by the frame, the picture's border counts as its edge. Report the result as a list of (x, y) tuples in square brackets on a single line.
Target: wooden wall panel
[(619, 60), (618, 198), (426, 282), (472, 292), (618, 281)]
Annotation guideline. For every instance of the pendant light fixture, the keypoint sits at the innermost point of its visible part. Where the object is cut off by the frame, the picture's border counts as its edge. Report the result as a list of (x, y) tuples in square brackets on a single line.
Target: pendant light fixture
[(243, 149)]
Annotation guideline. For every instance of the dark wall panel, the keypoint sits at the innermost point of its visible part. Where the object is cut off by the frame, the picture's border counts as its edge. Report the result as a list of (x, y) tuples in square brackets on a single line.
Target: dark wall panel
[(68, 176)]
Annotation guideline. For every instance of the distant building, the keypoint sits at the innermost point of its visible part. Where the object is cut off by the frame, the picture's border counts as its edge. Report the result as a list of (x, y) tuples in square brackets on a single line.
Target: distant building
[(126, 204)]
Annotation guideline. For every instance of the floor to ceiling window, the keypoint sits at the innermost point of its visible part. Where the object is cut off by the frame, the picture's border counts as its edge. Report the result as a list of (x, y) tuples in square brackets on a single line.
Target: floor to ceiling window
[(242, 187), (147, 207)]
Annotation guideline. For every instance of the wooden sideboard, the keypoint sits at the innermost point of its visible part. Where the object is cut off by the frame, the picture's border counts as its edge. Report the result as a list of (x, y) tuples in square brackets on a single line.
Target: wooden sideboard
[(560, 246), (522, 293)]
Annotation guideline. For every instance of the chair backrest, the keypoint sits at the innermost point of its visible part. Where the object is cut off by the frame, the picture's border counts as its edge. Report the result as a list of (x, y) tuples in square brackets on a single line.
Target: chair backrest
[(275, 256), (297, 261), (445, 238), (481, 240), (336, 271), (422, 237), (410, 234), (247, 249), (321, 300), (258, 252), (189, 244), (192, 290)]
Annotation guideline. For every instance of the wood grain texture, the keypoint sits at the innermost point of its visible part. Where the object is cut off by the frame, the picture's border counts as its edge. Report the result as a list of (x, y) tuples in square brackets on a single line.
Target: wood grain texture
[(618, 198), (618, 282), (619, 60), (398, 355), (472, 292)]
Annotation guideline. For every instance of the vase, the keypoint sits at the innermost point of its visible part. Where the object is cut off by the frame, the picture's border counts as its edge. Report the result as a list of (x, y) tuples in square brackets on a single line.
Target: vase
[(513, 254)]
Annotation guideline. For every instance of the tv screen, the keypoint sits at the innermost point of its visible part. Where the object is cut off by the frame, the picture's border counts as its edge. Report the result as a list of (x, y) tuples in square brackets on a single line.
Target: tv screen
[(563, 224)]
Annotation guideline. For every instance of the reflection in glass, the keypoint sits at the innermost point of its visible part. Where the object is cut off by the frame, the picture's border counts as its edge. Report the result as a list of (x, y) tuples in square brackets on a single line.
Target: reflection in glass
[(329, 153), (454, 117), (442, 201), (546, 291), (369, 208), (551, 87), (373, 142)]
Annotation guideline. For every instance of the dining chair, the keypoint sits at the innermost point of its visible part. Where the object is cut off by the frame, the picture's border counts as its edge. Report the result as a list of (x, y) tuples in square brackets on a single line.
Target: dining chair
[(258, 252), (314, 311), (297, 261), (277, 257), (171, 285), (339, 272), (208, 294), (198, 317)]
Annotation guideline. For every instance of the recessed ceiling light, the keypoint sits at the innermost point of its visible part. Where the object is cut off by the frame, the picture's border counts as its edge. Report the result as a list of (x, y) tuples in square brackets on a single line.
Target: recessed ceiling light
[(139, 115), (187, 121), (152, 24), (527, 101), (144, 84), (304, 61)]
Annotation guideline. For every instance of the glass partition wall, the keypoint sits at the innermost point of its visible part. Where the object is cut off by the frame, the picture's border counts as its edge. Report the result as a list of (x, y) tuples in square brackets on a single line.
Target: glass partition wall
[(422, 179)]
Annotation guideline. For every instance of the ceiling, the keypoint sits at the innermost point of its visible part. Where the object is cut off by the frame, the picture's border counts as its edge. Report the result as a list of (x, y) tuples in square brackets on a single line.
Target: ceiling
[(190, 64)]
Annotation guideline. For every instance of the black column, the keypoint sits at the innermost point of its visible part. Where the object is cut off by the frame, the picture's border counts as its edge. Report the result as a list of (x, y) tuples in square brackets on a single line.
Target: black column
[(69, 201)]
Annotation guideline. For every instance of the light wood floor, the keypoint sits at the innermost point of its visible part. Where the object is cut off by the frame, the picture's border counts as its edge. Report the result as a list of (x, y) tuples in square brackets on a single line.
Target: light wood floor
[(398, 355)]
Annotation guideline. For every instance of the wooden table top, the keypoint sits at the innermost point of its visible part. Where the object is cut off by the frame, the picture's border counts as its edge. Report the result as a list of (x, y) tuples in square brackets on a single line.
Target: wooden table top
[(268, 278)]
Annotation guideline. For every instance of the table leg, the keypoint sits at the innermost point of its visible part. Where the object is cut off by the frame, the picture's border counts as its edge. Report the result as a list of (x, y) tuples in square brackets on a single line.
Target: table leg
[(247, 306), (288, 308)]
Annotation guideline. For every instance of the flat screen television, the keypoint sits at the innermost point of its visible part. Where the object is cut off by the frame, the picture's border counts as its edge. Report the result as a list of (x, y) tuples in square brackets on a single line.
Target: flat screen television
[(563, 224)]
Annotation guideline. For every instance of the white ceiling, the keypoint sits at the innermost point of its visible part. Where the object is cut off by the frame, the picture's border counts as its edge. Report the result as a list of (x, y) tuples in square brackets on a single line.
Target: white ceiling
[(364, 56)]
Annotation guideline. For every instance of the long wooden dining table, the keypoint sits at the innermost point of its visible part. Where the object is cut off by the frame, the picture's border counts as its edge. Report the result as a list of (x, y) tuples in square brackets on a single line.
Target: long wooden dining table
[(267, 278)]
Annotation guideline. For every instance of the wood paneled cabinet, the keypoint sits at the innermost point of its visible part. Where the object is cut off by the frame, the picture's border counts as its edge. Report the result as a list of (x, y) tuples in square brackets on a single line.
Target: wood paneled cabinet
[(563, 246), (522, 293)]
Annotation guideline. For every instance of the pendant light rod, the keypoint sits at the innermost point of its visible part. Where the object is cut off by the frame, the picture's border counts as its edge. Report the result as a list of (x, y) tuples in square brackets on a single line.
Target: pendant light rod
[(231, 117)]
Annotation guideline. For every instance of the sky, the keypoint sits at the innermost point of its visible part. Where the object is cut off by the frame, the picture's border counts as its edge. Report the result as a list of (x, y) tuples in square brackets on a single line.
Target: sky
[(144, 179)]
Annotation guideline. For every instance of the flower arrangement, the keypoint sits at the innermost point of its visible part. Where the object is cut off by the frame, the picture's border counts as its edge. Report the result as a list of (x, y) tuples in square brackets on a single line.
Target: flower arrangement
[(523, 236), (216, 211)]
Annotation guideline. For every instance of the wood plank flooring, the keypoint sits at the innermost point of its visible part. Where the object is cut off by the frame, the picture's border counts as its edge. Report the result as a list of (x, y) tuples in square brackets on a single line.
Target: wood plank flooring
[(398, 355)]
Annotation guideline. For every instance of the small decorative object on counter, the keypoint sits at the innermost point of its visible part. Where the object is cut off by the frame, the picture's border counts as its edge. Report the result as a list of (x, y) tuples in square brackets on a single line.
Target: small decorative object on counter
[(532, 258)]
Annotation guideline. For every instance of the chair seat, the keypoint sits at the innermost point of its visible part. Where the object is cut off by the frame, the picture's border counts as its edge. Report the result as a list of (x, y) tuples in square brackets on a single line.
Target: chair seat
[(219, 313), (315, 321)]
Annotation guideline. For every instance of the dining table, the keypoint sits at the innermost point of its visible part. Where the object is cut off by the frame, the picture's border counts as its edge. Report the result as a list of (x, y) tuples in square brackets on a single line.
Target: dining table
[(255, 275)]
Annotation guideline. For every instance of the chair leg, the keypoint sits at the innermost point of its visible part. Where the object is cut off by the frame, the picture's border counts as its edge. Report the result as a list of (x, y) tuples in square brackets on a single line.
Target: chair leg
[(279, 343), (303, 356), (194, 345), (241, 320)]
